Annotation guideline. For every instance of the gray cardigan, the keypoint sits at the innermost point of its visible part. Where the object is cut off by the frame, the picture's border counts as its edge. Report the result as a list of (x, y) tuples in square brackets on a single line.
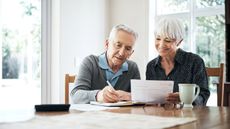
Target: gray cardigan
[(92, 78)]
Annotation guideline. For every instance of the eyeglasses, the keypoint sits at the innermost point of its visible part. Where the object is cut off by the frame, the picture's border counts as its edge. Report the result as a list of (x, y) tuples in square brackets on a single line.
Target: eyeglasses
[(166, 106), (172, 106)]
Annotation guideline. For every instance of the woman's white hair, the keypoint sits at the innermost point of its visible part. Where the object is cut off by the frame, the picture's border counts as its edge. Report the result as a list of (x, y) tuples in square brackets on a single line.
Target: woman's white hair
[(122, 27), (170, 27)]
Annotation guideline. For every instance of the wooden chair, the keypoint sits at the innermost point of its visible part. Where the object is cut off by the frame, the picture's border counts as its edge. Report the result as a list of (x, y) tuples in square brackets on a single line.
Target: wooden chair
[(218, 72), (68, 79)]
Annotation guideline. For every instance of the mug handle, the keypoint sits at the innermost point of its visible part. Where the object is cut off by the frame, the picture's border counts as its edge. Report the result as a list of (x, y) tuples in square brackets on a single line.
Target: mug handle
[(197, 92)]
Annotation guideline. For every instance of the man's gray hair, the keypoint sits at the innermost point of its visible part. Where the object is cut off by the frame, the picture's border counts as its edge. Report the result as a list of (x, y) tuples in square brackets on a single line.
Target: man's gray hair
[(121, 27), (171, 28)]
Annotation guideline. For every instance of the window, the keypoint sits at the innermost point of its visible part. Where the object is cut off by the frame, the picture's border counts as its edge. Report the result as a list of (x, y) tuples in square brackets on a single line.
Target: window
[(204, 22), (20, 42)]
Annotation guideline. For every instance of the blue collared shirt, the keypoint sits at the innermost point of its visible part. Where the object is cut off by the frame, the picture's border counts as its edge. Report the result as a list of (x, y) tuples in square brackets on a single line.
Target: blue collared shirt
[(110, 75)]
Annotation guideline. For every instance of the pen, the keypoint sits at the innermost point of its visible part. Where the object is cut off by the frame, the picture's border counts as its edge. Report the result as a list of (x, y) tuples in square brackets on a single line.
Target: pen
[(109, 83), (110, 89)]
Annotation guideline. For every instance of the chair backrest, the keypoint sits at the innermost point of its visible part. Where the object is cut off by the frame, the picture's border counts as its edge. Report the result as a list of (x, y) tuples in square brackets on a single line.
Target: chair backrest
[(218, 72), (68, 79)]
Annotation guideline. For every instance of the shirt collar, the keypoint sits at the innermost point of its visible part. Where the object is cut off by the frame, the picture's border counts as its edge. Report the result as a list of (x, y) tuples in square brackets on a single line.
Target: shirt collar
[(104, 64), (178, 57), (158, 59)]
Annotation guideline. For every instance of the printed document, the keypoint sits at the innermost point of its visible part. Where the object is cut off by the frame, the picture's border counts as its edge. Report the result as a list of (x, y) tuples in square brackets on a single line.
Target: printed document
[(89, 107), (100, 120), (150, 91)]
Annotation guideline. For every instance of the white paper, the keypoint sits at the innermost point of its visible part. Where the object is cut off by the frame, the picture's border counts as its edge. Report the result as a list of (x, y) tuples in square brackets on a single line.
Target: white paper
[(99, 120), (150, 91), (11, 114), (89, 107)]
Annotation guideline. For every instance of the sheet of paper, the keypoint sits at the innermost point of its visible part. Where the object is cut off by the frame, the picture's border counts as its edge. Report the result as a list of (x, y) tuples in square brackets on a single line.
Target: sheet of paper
[(150, 91), (12, 114), (100, 120), (89, 107)]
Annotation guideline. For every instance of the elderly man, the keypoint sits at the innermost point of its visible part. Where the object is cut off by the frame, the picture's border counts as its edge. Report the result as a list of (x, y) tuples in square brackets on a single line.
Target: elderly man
[(106, 78)]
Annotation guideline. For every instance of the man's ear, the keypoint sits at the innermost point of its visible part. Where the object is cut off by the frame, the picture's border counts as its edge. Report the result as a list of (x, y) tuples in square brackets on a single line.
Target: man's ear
[(130, 54), (179, 42), (106, 44)]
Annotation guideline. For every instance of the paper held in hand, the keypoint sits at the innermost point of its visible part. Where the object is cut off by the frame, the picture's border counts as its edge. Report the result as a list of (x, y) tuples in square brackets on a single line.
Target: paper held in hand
[(150, 91)]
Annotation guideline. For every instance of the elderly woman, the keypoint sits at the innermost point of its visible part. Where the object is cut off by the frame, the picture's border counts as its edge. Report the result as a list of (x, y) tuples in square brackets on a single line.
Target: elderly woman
[(175, 64)]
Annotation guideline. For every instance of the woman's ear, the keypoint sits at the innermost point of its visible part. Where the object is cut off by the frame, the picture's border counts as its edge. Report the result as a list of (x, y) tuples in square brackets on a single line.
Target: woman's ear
[(179, 42)]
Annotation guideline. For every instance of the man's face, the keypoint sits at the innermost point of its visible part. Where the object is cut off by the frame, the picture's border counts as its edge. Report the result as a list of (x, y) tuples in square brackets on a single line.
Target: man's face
[(120, 48)]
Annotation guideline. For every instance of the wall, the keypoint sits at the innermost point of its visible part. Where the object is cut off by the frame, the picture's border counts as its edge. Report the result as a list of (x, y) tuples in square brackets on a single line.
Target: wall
[(83, 25), (135, 14), (82, 32)]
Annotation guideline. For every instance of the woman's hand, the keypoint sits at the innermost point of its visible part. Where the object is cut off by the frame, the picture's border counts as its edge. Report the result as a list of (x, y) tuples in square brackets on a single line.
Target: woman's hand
[(173, 98)]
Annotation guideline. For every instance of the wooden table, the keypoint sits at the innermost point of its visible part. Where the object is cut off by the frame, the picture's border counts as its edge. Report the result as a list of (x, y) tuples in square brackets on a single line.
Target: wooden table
[(207, 117)]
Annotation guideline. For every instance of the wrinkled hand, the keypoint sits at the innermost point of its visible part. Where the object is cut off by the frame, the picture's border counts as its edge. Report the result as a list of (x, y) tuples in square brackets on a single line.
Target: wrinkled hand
[(124, 95), (108, 94), (173, 98)]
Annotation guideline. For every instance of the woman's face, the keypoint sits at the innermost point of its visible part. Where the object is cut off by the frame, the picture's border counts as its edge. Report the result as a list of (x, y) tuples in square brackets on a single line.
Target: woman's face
[(166, 47)]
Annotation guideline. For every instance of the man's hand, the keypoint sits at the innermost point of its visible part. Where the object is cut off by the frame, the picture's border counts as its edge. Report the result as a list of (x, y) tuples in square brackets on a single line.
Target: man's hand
[(108, 94), (173, 98)]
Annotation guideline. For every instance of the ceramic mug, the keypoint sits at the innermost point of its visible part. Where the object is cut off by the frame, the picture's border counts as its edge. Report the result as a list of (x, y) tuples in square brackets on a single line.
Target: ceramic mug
[(187, 93)]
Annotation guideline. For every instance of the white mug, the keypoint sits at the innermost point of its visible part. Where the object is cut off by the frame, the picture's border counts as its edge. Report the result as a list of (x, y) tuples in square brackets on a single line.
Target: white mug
[(187, 93)]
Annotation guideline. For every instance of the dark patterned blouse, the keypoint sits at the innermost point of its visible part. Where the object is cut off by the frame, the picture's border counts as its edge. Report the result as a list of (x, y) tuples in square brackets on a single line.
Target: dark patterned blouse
[(188, 68)]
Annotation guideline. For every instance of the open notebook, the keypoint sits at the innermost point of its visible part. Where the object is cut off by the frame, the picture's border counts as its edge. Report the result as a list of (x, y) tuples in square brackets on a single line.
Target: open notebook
[(117, 104)]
